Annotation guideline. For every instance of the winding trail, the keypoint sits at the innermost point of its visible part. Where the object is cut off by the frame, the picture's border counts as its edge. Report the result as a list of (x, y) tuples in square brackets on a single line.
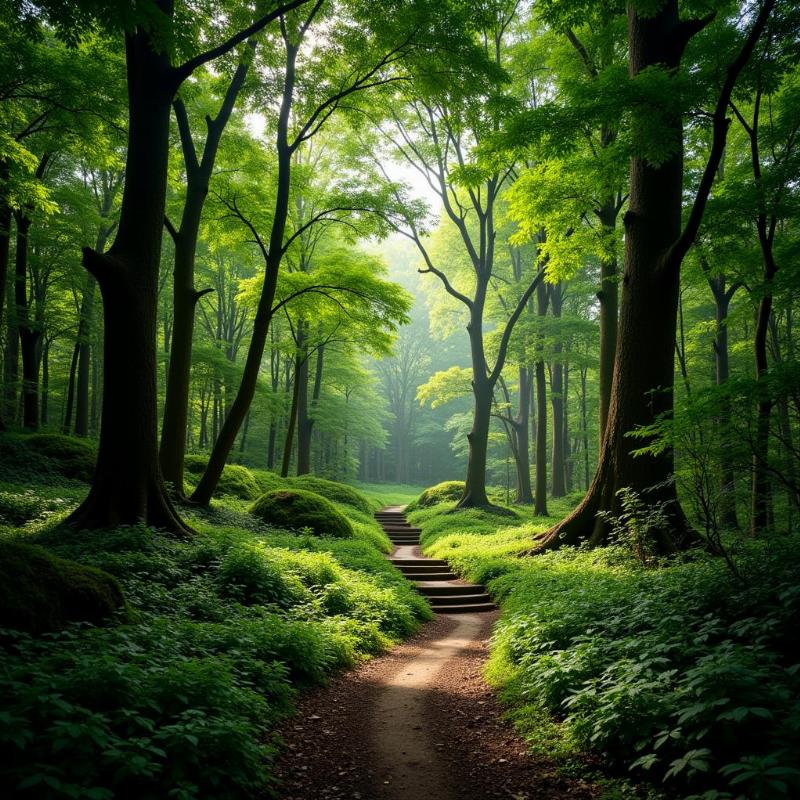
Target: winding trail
[(418, 723)]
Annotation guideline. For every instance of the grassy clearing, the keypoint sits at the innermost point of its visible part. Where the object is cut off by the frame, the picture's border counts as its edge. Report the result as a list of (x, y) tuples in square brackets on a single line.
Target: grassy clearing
[(681, 675), (180, 700), (389, 494)]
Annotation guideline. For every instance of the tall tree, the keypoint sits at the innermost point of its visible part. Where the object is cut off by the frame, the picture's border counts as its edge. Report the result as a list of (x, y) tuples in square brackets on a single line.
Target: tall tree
[(655, 245)]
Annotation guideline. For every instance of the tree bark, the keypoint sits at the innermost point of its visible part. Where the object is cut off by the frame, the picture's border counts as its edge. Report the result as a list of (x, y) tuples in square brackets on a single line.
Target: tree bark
[(305, 420), (608, 297), (288, 442), (128, 488), (66, 425), (5, 249)]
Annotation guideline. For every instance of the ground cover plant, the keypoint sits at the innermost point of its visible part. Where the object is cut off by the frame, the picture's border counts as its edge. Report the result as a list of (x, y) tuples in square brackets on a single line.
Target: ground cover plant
[(682, 673), (177, 696)]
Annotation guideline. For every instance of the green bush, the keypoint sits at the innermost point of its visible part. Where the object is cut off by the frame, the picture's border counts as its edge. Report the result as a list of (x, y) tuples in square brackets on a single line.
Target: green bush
[(298, 509), (40, 592), (337, 492), (72, 457), (21, 506), (446, 492)]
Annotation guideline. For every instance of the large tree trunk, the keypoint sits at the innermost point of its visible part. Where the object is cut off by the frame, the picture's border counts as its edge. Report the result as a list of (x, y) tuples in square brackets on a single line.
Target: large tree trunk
[(29, 334), (288, 442), (45, 404), (66, 425), (540, 499), (10, 359), (642, 388), (128, 488)]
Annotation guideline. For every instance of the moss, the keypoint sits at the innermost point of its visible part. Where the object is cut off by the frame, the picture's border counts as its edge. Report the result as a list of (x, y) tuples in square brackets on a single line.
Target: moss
[(268, 481), (337, 492), (239, 482), (41, 592), (195, 464), (236, 481), (446, 492), (297, 508), (71, 457)]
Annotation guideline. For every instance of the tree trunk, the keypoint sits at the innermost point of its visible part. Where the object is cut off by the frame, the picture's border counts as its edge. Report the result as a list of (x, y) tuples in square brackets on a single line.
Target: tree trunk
[(45, 384), (288, 442), (128, 488), (11, 358), (482, 392), (66, 426), (274, 253), (185, 296), (522, 435), (609, 312), (5, 242), (540, 499), (557, 400), (642, 388), (761, 497), (29, 335), (305, 420), (84, 345), (722, 299)]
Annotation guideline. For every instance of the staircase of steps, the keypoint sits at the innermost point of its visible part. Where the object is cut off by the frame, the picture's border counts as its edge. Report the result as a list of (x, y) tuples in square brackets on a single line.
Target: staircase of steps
[(433, 578)]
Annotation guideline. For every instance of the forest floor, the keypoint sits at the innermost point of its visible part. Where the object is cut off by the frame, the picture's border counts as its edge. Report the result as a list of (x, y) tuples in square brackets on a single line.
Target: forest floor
[(418, 722)]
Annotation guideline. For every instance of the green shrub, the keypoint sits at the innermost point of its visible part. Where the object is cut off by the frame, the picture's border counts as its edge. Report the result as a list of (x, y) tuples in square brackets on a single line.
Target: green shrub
[(337, 492), (248, 574), (19, 507), (41, 592), (73, 458), (297, 509), (446, 492)]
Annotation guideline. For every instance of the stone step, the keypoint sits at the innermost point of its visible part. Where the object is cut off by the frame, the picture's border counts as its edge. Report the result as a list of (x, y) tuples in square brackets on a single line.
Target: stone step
[(423, 566), (476, 608), (459, 600), (404, 539), (393, 528), (430, 576), (450, 589), (430, 562)]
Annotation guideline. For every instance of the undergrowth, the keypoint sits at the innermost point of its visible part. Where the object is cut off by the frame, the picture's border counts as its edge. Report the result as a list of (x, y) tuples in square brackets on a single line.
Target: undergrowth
[(684, 675)]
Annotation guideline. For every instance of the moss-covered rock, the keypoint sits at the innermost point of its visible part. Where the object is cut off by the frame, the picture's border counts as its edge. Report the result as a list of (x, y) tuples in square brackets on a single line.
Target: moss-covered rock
[(236, 481), (239, 482), (194, 463), (338, 492), (40, 592), (71, 457), (446, 492), (297, 508)]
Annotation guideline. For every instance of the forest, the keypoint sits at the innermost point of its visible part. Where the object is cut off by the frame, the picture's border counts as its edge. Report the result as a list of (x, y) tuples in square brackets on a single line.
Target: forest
[(399, 399)]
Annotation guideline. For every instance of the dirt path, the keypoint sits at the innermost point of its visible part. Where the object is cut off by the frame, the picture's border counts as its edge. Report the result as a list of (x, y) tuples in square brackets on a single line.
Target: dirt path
[(418, 723)]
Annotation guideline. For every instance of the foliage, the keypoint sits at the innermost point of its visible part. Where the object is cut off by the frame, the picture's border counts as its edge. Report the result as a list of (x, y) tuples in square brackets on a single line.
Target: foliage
[(681, 674), (299, 509), (181, 699)]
